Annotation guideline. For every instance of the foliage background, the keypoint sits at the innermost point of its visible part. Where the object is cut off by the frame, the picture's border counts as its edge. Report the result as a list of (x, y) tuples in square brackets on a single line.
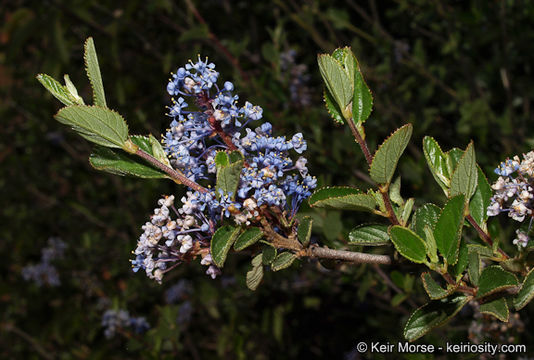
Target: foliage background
[(457, 70)]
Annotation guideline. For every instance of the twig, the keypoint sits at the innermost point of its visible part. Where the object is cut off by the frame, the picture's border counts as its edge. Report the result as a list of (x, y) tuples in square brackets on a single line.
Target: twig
[(352, 256)]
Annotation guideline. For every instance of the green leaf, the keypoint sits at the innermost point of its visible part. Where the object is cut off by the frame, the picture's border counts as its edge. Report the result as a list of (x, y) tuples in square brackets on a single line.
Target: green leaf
[(497, 308), (221, 242), (388, 154), (283, 261), (268, 254), (255, 275), (433, 314), (228, 178), (448, 229), (120, 163), (336, 79), (221, 159), (93, 73), (343, 198), (433, 289), (437, 162), (464, 178), (406, 211), (474, 267), (235, 156), (102, 126), (463, 259), (394, 192), (481, 199), (481, 250), (332, 107), (158, 152), (493, 279), (432, 247), (72, 90), (304, 230), (370, 235), (426, 215), (249, 237), (526, 293), (408, 244), (453, 157), (362, 102), (398, 299), (59, 91)]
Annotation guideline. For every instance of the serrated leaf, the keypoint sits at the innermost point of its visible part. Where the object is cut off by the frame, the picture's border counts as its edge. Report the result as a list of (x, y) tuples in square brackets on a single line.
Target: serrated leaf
[(93, 73), (388, 154), (464, 178), (474, 267), (493, 279), (481, 199), (235, 156), (228, 178), (437, 162), (249, 237), (481, 250), (448, 229), (221, 159), (453, 157), (406, 211), (394, 192), (59, 91), (362, 101), (255, 275), (343, 198), (369, 235), (433, 314), (526, 293), (102, 126), (463, 259), (332, 107), (497, 308), (426, 215), (408, 244), (120, 163), (283, 261), (221, 242), (304, 230), (336, 79), (158, 152), (433, 289)]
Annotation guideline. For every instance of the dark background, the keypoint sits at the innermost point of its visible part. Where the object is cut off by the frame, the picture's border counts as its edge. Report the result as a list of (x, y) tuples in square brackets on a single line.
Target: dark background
[(457, 70)]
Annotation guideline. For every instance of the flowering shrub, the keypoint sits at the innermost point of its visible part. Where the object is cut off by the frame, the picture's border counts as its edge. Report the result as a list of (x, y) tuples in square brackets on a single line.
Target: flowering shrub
[(245, 187)]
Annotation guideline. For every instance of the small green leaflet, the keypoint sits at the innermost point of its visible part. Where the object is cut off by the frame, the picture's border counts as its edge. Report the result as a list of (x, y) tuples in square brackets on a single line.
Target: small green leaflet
[(433, 289), (304, 230), (408, 244), (481, 199), (100, 125), (255, 275), (526, 293), (369, 235), (332, 107), (343, 198), (448, 229), (388, 154), (59, 91), (93, 73), (336, 79), (437, 162), (158, 152), (283, 261), (464, 177), (493, 279), (433, 314), (221, 242), (249, 237), (497, 308), (228, 178)]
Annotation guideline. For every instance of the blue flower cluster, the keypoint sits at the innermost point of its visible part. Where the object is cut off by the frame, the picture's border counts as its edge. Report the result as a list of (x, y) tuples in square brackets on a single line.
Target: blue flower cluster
[(115, 320), (44, 272), (207, 119)]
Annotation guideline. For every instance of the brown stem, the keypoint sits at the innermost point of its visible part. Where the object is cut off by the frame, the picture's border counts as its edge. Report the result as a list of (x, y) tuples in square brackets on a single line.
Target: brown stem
[(484, 235), (278, 240), (360, 141), (461, 288), (176, 175), (387, 202), (352, 256)]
